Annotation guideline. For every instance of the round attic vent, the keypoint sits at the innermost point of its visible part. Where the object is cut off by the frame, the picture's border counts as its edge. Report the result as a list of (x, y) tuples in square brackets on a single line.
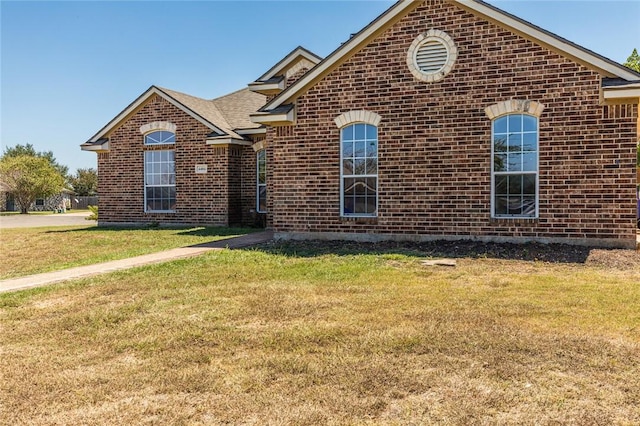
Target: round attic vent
[(431, 56)]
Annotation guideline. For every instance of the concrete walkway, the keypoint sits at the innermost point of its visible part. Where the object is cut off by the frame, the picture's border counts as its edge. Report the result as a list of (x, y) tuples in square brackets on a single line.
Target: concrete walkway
[(147, 259)]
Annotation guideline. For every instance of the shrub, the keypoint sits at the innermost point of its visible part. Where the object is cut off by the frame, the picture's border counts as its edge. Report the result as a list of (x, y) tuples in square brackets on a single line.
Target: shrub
[(94, 213)]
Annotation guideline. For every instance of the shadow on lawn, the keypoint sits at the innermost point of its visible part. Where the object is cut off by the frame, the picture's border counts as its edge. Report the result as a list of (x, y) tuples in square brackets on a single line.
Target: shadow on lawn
[(193, 231), (555, 253)]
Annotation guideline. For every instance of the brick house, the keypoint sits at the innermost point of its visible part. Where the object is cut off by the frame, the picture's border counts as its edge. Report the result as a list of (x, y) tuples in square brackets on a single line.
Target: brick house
[(441, 119), (177, 159)]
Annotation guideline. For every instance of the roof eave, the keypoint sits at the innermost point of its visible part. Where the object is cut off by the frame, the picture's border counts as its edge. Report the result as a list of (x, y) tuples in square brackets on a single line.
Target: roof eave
[(525, 29), (288, 60), (252, 131), (267, 88), (133, 106), (275, 119), (223, 141), (390, 16), (94, 147), (624, 94)]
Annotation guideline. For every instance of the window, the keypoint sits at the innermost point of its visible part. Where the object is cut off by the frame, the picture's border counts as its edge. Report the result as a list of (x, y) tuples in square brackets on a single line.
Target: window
[(261, 181), (359, 171), (159, 181), (515, 166), (159, 137), (40, 202)]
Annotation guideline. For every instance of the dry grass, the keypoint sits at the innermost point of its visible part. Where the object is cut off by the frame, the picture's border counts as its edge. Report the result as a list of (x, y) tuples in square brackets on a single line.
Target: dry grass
[(28, 251), (260, 337)]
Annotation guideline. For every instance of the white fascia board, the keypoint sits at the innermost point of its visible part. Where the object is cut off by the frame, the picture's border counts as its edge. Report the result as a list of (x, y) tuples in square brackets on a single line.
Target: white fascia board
[(274, 119), (135, 104), (288, 60), (153, 90), (630, 93), (581, 55), (256, 131), (228, 141), (267, 88), (347, 48), (95, 148)]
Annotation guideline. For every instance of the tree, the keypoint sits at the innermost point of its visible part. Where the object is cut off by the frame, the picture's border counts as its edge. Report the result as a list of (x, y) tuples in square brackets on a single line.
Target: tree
[(633, 61), (85, 182), (30, 151), (27, 178)]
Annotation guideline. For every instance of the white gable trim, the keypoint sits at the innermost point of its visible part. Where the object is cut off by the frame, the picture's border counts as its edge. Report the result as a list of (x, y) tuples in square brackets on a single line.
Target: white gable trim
[(103, 147), (627, 94), (282, 119), (350, 47), (533, 33), (153, 90), (267, 88), (403, 7), (288, 60)]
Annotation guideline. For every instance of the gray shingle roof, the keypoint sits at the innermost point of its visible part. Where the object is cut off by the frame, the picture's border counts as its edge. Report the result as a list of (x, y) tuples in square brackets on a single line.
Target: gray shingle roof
[(228, 113), (236, 107)]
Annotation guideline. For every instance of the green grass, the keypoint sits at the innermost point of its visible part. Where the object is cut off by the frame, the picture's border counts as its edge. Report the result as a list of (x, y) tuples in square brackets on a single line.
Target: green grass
[(271, 337), (28, 251)]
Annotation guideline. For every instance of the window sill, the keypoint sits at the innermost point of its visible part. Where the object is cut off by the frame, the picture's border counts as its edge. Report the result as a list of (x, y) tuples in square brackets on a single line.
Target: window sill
[(515, 220), (367, 220)]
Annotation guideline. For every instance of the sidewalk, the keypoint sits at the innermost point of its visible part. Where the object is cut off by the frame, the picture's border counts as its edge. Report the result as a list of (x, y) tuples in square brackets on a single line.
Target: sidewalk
[(46, 278)]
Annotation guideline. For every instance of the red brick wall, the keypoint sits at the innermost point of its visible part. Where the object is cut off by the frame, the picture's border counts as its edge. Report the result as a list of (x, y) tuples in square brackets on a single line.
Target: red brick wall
[(201, 198), (434, 141)]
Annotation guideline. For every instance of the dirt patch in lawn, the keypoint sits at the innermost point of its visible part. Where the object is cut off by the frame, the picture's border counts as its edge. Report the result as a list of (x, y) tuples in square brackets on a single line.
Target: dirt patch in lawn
[(553, 253)]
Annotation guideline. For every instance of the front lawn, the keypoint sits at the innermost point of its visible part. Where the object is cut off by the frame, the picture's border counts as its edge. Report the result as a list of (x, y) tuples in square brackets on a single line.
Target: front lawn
[(277, 335), (33, 250)]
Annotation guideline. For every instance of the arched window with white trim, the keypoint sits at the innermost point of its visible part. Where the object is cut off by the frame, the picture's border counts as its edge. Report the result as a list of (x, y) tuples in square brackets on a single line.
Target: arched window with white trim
[(159, 173), (359, 170), (514, 177)]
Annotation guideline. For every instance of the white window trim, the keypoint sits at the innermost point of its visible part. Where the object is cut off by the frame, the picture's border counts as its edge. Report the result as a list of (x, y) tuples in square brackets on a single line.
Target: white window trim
[(536, 173), (258, 184), (144, 136), (342, 176), (145, 186)]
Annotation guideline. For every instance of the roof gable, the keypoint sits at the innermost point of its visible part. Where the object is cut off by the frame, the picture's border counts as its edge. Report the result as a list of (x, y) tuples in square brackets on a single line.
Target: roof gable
[(222, 115), (274, 80), (604, 66), (295, 55)]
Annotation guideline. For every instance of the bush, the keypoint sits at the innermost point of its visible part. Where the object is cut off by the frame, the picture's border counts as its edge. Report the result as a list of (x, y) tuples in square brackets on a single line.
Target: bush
[(94, 213)]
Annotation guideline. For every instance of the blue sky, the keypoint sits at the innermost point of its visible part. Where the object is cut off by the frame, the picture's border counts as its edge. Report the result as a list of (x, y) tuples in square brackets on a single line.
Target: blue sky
[(67, 68)]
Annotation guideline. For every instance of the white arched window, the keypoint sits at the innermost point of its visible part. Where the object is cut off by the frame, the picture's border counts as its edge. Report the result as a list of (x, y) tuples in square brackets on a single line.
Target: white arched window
[(359, 170), (514, 177), (159, 173), (160, 137)]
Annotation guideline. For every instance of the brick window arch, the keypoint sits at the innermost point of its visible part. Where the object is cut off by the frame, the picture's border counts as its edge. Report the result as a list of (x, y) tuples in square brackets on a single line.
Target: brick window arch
[(357, 116)]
